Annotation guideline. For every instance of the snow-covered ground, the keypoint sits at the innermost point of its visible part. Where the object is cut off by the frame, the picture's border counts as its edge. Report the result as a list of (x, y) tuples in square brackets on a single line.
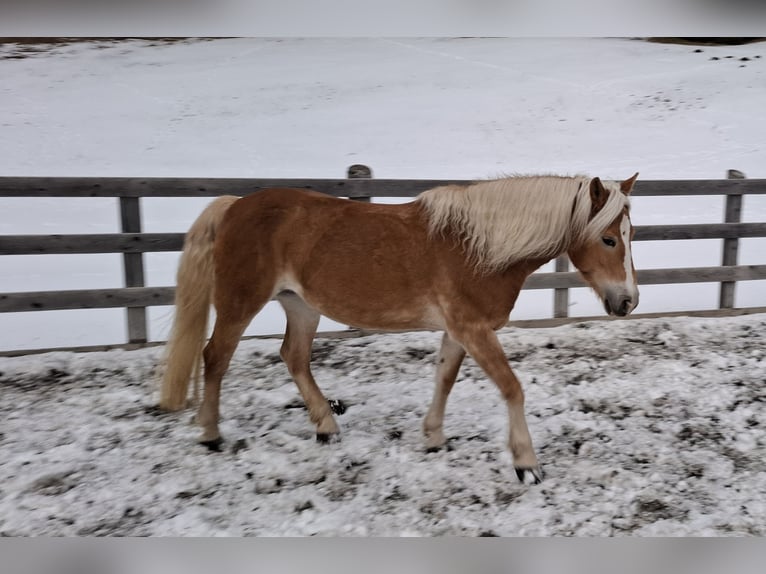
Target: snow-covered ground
[(409, 108), (643, 427)]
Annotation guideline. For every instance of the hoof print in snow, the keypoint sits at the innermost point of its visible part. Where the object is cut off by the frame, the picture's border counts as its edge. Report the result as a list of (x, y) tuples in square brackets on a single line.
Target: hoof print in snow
[(418, 354), (296, 403), (479, 437), (394, 434), (308, 505), (239, 445), (213, 445), (447, 446), (156, 411), (54, 484), (396, 495), (268, 486), (337, 406)]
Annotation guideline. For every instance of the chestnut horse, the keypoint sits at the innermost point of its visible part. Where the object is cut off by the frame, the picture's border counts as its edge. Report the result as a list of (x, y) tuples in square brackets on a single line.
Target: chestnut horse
[(454, 260)]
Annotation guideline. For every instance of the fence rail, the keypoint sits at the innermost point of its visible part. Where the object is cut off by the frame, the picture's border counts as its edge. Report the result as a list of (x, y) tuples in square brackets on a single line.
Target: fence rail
[(354, 188), (156, 242), (132, 243)]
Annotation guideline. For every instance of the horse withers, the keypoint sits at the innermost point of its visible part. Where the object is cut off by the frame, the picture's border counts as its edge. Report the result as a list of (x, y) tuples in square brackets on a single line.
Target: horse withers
[(454, 260)]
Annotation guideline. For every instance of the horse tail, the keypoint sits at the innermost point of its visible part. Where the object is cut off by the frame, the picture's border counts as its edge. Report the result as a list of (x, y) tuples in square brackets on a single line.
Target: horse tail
[(194, 293)]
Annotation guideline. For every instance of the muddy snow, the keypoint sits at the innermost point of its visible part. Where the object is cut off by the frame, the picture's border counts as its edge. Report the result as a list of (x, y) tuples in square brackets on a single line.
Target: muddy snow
[(643, 427)]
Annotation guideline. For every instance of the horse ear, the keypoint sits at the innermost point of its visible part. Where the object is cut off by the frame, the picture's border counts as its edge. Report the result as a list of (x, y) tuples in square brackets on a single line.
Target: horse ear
[(627, 186), (598, 196)]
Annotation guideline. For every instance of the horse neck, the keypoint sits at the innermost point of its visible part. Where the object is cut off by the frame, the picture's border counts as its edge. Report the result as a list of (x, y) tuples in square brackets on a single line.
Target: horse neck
[(526, 267)]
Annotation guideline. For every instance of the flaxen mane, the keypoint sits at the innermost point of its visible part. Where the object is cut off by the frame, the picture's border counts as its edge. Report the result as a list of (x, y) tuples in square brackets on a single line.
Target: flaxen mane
[(507, 220)]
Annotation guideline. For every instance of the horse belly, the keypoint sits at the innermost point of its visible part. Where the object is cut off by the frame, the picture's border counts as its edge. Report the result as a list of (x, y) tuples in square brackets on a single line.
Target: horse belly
[(370, 289), (378, 307)]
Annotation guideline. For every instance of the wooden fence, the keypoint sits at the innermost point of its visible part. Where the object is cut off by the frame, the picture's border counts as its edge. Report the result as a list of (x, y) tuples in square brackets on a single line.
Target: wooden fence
[(359, 185)]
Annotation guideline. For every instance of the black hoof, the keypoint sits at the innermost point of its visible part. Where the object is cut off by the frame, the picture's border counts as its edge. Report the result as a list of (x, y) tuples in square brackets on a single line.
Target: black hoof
[(213, 445), (529, 475), (337, 406), (327, 438)]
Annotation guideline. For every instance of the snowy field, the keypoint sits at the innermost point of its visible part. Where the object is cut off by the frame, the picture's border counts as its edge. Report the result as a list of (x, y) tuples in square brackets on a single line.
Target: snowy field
[(644, 427), (409, 108)]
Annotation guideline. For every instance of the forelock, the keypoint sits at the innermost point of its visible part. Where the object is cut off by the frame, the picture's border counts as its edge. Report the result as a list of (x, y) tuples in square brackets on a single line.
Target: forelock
[(616, 204)]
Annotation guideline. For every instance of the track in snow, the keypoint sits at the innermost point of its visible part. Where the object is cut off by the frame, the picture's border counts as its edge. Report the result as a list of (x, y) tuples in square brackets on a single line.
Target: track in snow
[(645, 427)]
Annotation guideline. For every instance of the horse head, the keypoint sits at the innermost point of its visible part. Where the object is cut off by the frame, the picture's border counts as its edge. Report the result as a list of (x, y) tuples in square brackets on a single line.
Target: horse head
[(604, 259)]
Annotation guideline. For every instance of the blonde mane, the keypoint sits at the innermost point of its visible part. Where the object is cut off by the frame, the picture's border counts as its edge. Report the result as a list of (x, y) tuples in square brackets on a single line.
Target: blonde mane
[(507, 220)]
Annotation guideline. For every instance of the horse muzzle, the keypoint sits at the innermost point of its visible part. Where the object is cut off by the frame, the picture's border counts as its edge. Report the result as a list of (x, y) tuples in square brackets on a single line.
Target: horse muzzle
[(620, 302)]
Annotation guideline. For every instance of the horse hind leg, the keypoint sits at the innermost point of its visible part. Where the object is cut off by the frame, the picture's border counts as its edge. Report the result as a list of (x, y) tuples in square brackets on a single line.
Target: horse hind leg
[(302, 322), (450, 358), (231, 322)]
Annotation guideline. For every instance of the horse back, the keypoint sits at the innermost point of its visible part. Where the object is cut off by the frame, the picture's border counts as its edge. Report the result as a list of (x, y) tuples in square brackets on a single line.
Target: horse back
[(363, 264)]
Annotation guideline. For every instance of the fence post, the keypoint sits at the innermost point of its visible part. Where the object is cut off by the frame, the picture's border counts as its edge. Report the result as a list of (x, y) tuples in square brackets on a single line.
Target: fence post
[(732, 214), (561, 295), (359, 171), (133, 263)]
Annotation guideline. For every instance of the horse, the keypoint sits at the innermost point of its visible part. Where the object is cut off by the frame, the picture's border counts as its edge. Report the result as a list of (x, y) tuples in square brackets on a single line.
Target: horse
[(454, 260)]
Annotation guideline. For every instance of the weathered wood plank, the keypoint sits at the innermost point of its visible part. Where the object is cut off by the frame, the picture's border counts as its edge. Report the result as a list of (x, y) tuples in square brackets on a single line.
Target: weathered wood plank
[(86, 299), (703, 187), (359, 171), (159, 242), (133, 264), (149, 296), (732, 214), (656, 276), (356, 333), (730, 251), (561, 296), (206, 187), (92, 243), (210, 187), (699, 231)]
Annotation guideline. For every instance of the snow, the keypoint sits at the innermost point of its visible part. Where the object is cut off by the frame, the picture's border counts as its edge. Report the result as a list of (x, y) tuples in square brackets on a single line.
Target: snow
[(409, 108), (643, 427)]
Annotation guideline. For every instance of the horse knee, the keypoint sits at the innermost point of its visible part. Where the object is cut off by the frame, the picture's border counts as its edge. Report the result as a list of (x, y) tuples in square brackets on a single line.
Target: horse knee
[(298, 362)]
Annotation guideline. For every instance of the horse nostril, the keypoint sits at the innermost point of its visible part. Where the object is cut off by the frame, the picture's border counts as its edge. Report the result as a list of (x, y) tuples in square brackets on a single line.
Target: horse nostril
[(625, 306)]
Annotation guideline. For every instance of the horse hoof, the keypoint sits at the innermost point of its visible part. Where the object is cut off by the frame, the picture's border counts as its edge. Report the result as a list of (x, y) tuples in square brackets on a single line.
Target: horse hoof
[(327, 438), (529, 475), (213, 445)]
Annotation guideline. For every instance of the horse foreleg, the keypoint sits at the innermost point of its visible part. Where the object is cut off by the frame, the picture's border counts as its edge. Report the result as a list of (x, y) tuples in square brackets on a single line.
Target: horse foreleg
[(302, 322), (484, 347), (450, 357)]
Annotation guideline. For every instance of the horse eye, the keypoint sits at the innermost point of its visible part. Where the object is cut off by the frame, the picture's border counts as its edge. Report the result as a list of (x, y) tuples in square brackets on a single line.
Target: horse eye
[(609, 241)]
